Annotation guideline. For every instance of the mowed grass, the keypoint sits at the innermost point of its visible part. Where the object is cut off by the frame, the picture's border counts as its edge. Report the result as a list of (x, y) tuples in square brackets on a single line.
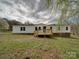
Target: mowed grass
[(19, 46)]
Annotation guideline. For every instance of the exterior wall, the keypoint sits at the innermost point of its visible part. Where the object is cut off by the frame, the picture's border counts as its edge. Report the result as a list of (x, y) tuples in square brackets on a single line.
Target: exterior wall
[(62, 29), (28, 29), (47, 27), (31, 29)]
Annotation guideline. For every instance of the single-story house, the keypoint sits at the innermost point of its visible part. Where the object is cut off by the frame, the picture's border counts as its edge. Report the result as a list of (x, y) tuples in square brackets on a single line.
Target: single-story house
[(43, 29)]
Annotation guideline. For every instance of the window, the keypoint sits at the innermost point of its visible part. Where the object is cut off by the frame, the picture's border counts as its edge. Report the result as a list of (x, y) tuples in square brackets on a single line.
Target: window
[(44, 27), (39, 28), (22, 28), (35, 28), (66, 28), (50, 27)]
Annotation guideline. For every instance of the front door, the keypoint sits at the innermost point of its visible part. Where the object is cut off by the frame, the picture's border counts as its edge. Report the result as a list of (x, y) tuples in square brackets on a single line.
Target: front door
[(44, 29)]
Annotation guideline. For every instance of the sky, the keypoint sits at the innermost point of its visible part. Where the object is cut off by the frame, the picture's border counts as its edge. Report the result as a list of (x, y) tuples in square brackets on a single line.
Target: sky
[(35, 11)]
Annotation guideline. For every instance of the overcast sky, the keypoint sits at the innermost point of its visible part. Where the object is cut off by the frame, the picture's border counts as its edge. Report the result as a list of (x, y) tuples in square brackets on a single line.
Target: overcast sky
[(35, 11)]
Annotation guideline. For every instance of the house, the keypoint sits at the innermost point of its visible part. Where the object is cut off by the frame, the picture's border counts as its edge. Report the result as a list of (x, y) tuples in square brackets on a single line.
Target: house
[(43, 29)]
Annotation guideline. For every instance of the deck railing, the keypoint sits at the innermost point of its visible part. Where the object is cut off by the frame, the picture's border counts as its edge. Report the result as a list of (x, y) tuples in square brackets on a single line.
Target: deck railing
[(43, 32)]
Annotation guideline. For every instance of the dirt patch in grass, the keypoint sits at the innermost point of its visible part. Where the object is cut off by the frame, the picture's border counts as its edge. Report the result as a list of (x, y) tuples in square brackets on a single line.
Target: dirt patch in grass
[(34, 53), (37, 53)]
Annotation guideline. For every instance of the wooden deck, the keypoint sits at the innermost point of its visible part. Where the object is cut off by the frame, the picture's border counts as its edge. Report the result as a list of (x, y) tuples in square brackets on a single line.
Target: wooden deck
[(41, 32)]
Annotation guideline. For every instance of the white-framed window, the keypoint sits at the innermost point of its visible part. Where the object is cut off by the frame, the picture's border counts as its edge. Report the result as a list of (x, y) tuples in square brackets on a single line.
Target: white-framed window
[(36, 28), (50, 27), (66, 28), (39, 28), (22, 28)]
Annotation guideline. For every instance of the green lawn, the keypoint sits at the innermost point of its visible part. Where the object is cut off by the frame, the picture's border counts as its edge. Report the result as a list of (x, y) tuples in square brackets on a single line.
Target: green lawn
[(14, 46)]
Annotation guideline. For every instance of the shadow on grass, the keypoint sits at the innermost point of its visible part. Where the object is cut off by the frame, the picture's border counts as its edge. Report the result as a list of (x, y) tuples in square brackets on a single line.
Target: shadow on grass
[(22, 34), (48, 36), (74, 37)]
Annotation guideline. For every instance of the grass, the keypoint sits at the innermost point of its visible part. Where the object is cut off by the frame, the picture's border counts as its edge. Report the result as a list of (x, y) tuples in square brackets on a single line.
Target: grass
[(14, 46)]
